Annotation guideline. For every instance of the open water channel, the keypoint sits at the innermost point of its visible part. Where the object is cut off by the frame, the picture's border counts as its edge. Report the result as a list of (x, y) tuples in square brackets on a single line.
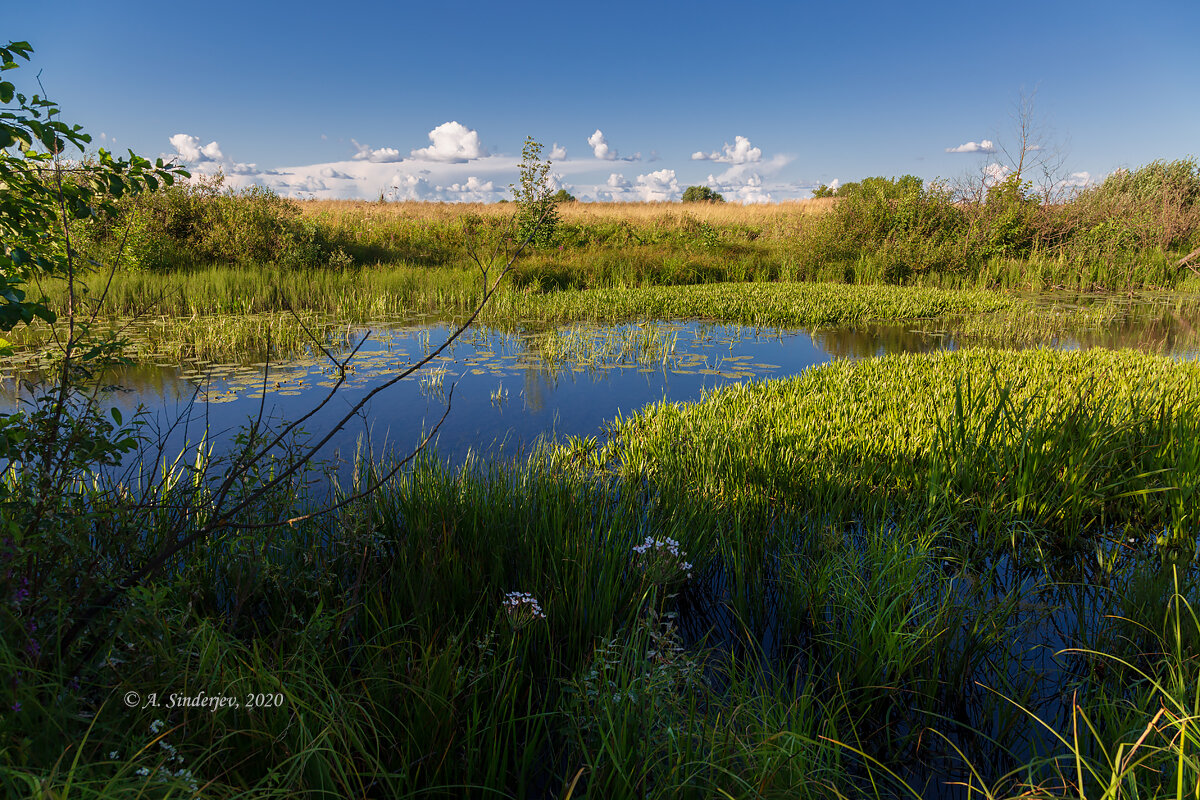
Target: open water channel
[(511, 389)]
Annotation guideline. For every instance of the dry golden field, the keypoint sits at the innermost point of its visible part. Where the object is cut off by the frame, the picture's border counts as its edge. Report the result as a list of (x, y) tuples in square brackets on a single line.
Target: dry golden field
[(758, 215)]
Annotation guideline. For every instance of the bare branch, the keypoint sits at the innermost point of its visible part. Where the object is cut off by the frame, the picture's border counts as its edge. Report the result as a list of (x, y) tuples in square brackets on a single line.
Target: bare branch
[(227, 518)]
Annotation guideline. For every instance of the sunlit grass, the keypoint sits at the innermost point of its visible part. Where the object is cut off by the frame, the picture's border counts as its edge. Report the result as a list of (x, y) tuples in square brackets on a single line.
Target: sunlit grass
[(763, 304)]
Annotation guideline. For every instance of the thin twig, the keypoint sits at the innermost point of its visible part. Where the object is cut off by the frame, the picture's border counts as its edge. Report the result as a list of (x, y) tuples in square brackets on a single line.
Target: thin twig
[(227, 518)]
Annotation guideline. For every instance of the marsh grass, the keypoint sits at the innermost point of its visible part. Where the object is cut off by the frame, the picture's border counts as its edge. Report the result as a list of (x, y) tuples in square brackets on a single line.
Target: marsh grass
[(645, 344), (214, 328), (967, 542), (959, 431), (777, 304), (353, 294)]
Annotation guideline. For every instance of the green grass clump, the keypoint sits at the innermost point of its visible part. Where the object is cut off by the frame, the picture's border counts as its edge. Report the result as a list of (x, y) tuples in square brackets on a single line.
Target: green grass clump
[(1066, 445), (763, 304), (352, 294)]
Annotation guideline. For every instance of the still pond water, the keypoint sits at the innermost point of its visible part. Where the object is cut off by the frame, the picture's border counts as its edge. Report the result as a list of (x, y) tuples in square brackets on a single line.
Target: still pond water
[(510, 389)]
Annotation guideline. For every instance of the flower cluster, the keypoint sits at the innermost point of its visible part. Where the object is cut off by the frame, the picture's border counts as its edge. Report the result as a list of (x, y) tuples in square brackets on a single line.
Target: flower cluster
[(168, 758), (646, 667), (522, 609), (22, 593), (661, 561)]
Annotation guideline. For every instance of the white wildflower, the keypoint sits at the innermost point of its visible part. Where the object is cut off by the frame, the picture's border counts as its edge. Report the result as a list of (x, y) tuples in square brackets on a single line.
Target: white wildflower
[(522, 609)]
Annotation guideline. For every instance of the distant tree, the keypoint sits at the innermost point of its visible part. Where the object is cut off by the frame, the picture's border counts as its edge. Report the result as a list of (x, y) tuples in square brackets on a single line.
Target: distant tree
[(701, 194), (563, 196), (823, 191)]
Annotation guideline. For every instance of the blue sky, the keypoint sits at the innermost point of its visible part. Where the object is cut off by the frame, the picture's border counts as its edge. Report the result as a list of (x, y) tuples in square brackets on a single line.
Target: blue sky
[(761, 100)]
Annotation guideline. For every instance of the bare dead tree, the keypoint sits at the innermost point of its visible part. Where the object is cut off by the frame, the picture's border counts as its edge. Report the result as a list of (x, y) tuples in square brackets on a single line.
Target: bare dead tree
[(1030, 152), (1033, 152)]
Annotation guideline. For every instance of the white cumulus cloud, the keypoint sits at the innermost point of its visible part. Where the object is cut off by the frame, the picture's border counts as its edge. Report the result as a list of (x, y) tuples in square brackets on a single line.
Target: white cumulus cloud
[(741, 188), (655, 187), (995, 173), (984, 146), (473, 190), (410, 187), (558, 153), (207, 159), (310, 185), (556, 181), (603, 151), (600, 146), (381, 155), (452, 142), (740, 152), (192, 152), (418, 187), (658, 186)]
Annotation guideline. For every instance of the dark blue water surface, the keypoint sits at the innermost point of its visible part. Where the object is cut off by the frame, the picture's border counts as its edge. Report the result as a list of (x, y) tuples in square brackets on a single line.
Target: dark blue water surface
[(503, 391), (509, 389)]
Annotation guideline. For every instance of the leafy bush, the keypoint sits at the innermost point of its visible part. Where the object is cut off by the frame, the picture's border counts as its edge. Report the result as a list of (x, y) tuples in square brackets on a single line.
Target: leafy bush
[(200, 222), (904, 226), (1008, 219), (701, 194), (1155, 206)]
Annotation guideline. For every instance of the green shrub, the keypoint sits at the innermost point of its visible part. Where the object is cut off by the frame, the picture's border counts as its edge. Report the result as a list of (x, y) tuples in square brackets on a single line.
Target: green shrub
[(701, 194), (904, 227), (1155, 206), (1008, 219), (200, 223)]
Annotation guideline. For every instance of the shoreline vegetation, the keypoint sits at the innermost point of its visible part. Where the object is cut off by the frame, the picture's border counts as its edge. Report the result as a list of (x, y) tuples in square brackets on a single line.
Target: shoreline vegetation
[(917, 575), (210, 321), (203, 260), (1130, 232)]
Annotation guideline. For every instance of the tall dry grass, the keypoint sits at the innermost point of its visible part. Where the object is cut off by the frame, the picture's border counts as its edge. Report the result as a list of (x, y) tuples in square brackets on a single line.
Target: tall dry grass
[(642, 214)]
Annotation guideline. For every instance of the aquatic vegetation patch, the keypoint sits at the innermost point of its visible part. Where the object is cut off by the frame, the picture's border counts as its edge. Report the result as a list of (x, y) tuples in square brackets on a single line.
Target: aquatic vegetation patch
[(763, 304), (1067, 443)]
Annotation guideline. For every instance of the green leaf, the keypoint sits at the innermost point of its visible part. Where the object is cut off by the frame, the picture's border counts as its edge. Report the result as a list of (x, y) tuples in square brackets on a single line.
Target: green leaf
[(116, 414)]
